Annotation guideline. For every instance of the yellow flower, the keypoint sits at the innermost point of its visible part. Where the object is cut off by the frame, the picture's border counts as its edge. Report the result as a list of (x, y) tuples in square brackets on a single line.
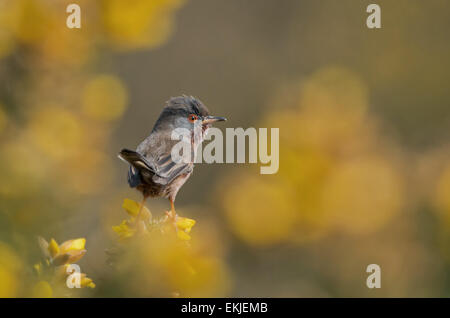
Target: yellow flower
[(124, 230), (68, 252), (38, 268), (73, 245), (60, 257), (53, 248), (132, 208), (86, 282), (184, 226), (128, 228)]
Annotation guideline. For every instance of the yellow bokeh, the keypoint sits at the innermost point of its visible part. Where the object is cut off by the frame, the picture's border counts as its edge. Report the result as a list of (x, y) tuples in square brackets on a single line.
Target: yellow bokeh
[(7, 44), (263, 213), (10, 272), (17, 165), (139, 23), (202, 276), (335, 88), (42, 289), (28, 20), (104, 98), (85, 176), (38, 23), (166, 266), (306, 172), (362, 195), (56, 131), (337, 172)]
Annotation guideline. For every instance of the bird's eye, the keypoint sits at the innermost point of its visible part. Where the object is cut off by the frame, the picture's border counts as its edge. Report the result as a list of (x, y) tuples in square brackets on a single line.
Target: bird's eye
[(192, 118)]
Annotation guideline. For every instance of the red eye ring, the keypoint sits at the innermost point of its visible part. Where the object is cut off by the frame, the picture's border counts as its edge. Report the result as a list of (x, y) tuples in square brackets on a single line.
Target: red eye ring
[(192, 118)]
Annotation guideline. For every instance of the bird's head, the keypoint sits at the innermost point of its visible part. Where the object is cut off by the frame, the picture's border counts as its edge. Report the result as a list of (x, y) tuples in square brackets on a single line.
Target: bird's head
[(186, 112)]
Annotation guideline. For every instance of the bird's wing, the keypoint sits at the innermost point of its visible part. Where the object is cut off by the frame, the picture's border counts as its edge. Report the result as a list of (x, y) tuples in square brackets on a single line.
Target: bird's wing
[(157, 150), (167, 170)]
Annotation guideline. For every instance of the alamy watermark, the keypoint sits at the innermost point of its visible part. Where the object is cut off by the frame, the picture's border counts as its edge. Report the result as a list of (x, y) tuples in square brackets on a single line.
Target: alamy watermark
[(374, 279), (73, 20), (74, 278), (190, 147)]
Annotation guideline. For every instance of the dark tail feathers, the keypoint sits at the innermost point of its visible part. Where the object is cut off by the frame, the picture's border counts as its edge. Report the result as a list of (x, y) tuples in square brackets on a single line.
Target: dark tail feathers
[(137, 162)]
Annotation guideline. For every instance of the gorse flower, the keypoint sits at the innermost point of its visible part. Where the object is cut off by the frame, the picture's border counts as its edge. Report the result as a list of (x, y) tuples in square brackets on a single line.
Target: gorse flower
[(132, 208), (57, 265), (146, 223), (124, 230), (184, 226), (67, 253)]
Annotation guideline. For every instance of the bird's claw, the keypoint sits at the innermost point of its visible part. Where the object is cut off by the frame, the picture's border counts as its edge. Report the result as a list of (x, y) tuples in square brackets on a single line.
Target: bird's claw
[(173, 217)]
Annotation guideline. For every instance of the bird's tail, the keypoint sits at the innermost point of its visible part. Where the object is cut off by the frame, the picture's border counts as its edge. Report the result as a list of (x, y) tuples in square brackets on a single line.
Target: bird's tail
[(138, 162), (129, 156), (135, 159)]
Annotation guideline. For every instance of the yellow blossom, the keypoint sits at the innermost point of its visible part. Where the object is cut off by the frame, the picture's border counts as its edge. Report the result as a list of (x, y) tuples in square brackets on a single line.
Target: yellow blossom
[(73, 245), (132, 208), (59, 257), (184, 226), (128, 228), (124, 230), (53, 248), (86, 281), (68, 252)]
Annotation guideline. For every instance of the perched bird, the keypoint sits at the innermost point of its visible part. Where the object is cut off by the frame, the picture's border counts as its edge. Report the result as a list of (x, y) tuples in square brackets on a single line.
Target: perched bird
[(152, 170)]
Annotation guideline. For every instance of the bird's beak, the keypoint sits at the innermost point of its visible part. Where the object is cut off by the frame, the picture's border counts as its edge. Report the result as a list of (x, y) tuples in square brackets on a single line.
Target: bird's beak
[(212, 119)]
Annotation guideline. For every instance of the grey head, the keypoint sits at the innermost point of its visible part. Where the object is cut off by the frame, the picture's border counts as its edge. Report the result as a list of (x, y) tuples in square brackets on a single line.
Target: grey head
[(184, 112)]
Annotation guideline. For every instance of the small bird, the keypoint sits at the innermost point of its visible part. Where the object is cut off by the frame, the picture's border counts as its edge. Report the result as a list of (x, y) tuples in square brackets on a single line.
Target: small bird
[(152, 170)]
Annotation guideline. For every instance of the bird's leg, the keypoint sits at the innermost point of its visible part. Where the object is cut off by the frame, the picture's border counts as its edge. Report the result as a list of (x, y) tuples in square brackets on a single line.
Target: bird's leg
[(172, 208), (172, 214)]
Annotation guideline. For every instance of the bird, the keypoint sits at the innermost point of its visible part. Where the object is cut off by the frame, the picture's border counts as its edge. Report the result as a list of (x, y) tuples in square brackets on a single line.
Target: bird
[(152, 169)]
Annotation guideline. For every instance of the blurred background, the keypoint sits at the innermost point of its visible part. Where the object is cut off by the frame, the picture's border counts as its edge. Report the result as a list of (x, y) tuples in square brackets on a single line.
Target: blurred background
[(364, 121)]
